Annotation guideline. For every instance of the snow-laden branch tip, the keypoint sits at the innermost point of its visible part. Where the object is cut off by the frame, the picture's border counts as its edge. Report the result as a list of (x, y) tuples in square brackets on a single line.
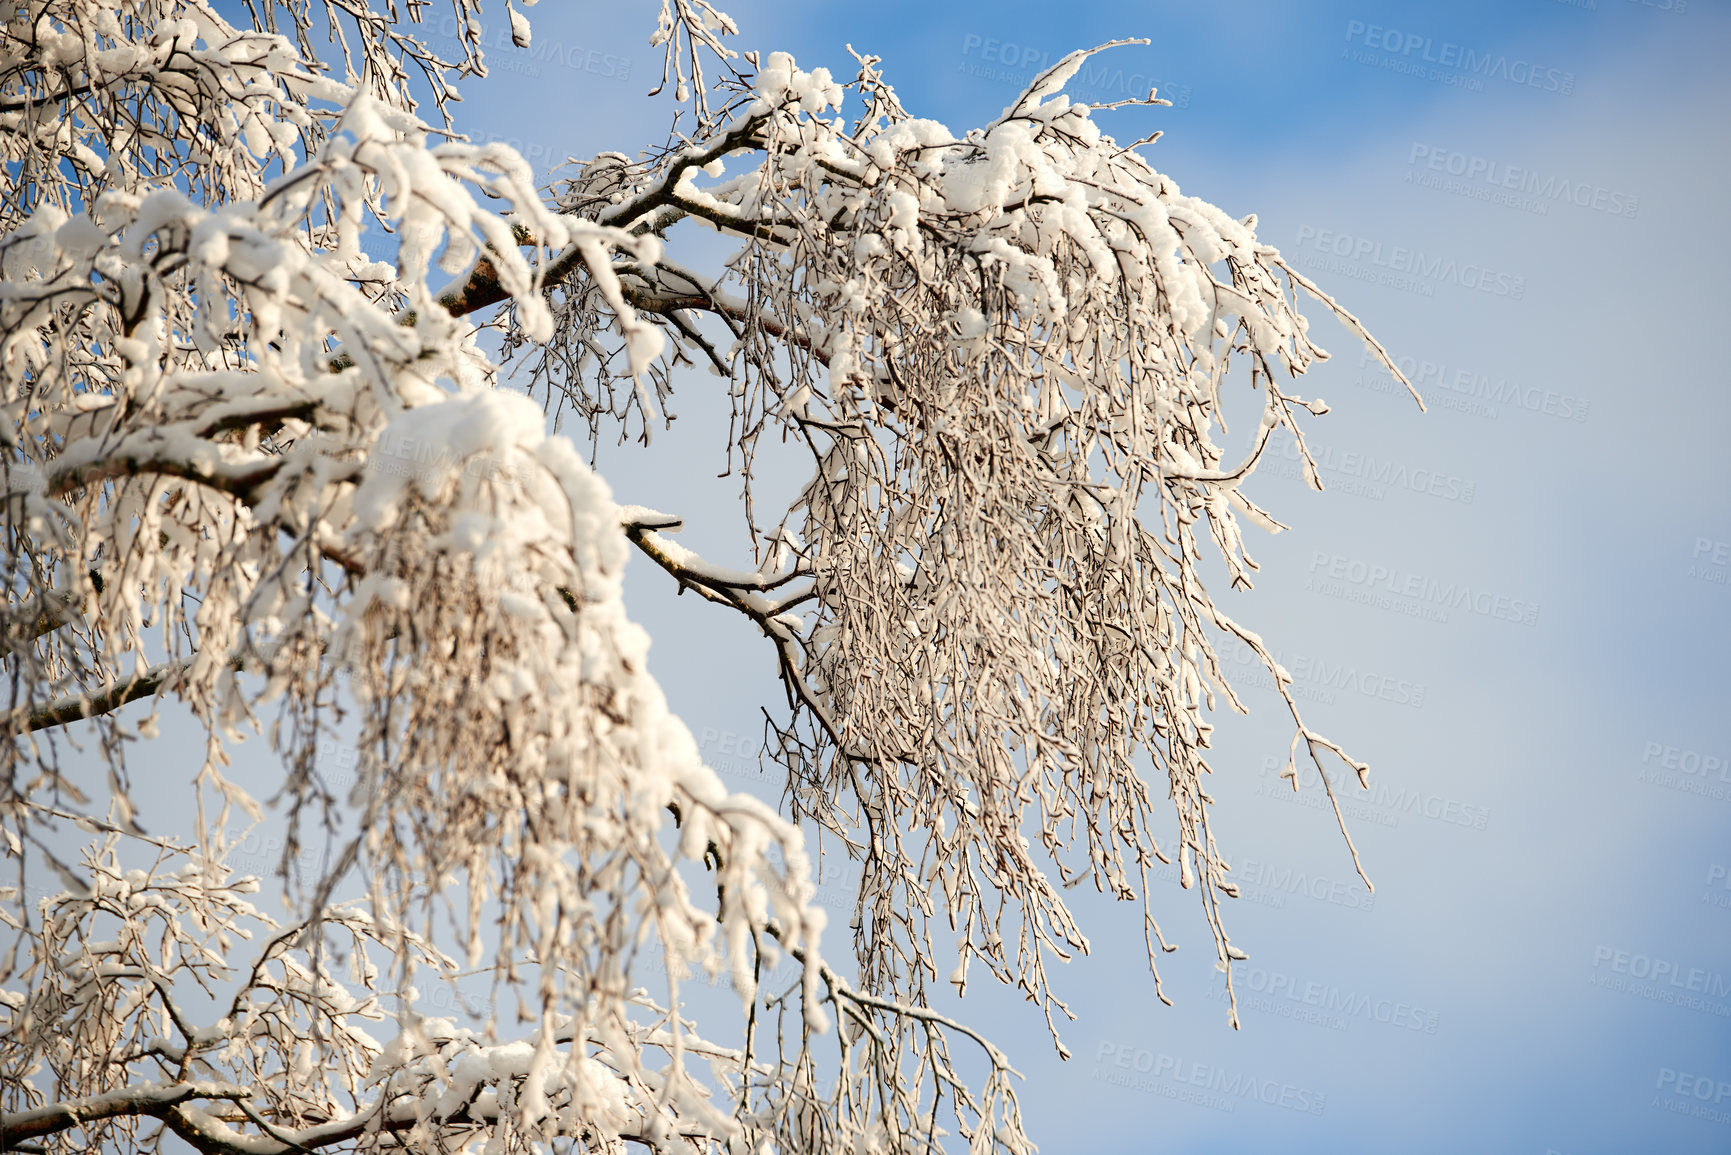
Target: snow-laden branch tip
[(256, 471)]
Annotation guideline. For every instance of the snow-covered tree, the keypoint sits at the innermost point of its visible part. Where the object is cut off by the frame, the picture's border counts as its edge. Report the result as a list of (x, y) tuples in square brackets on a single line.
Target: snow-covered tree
[(255, 304)]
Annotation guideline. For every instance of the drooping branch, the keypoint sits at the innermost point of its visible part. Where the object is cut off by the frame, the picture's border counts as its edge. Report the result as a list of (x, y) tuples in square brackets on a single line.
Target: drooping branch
[(82, 706), (646, 210), (22, 1126), (740, 591), (76, 707), (1005, 352), (239, 479)]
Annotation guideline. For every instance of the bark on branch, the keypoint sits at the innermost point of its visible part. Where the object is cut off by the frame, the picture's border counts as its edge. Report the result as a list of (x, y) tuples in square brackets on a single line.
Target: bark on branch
[(22, 1126)]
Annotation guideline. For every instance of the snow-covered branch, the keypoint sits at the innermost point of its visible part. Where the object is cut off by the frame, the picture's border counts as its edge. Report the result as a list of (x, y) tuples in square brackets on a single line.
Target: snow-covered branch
[(1007, 352), (251, 465), (22, 1126)]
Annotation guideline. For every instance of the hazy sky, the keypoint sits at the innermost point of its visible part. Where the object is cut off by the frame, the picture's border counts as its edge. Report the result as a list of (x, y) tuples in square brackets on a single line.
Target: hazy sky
[(1515, 607)]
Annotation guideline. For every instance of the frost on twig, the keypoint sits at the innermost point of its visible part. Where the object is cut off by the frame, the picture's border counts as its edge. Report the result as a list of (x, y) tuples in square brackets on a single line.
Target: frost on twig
[(1008, 354), (245, 457), (254, 467)]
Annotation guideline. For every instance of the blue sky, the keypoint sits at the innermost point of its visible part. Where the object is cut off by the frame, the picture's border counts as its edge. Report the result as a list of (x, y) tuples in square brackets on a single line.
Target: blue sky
[(1577, 403), (1546, 963)]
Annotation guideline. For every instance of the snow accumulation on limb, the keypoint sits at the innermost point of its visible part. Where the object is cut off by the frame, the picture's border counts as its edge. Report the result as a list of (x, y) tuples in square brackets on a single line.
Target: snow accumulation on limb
[(254, 466), (1006, 352), (256, 457), (22, 1126)]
